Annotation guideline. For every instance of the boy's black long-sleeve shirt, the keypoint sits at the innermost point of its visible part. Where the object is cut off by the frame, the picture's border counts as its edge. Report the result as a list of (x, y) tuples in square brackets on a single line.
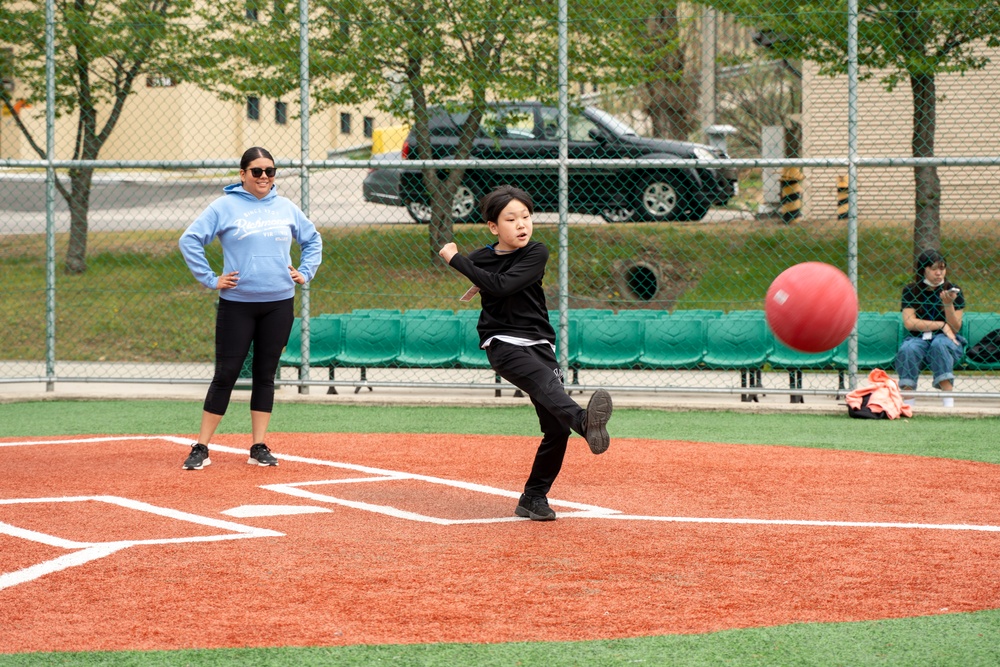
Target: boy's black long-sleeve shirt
[(510, 289)]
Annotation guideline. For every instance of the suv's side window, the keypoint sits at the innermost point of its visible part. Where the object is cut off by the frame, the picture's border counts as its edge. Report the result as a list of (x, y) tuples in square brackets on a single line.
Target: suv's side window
[(491, 124), (580, 127), (445, 125), (515, 122), (550, 123)]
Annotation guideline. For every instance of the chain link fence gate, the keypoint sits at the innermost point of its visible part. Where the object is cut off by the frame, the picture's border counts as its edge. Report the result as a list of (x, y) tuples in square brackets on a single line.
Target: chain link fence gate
[(680, 155)]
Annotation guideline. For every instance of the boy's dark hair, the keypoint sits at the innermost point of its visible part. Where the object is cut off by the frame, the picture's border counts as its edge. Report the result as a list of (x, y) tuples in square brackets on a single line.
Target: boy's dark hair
[(496, 201), (252, 154)]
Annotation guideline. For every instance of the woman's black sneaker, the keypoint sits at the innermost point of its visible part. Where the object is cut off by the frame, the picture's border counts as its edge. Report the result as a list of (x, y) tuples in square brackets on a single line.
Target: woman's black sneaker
[(535, 508), (260, 455), (198, 458)]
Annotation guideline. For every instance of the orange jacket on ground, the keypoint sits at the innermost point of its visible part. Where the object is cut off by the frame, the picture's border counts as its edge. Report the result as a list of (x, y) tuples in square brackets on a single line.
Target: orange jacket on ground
[(883, 396)]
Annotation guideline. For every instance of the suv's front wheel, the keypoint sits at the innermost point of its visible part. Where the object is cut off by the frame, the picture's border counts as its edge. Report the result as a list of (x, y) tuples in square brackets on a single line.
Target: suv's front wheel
[(463, 207), (659, 200)]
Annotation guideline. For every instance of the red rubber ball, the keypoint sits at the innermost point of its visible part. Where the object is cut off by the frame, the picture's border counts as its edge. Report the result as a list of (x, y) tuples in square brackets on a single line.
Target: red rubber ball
[(811, 307)]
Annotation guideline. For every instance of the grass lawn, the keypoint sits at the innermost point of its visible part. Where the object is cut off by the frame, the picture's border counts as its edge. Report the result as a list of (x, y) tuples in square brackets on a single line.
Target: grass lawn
[(138, 302)]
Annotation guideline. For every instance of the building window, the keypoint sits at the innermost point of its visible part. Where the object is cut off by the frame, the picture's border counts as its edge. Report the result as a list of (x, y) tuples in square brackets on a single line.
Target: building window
[(369, 127), (253, 108), (345, 123), (280, 113)]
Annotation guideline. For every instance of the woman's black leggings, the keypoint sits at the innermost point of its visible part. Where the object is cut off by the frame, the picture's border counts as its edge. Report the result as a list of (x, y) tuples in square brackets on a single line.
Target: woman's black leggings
[(266, 325)]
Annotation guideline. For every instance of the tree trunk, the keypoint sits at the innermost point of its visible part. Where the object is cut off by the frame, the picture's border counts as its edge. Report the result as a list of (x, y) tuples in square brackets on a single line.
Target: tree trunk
[(927, 185), (440, 229), (440, 233), (79, 208), (670, 108), (442, 190), (673, 97)]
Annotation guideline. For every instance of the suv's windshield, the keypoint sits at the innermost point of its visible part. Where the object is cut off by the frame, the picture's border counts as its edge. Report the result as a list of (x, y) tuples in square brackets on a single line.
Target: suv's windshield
[(611, 123)]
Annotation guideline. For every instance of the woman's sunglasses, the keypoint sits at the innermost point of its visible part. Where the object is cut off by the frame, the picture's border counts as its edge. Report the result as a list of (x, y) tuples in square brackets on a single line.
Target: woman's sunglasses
[(257, 171)]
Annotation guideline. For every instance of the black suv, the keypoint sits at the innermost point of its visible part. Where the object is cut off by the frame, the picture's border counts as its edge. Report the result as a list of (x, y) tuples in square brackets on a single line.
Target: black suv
[(528, 130)]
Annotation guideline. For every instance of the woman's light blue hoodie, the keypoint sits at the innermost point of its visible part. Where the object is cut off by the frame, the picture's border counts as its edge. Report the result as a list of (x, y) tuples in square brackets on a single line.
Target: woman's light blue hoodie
[(256, 237)]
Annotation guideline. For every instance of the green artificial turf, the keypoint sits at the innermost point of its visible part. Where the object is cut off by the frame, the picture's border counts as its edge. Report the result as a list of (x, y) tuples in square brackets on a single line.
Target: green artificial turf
[(955, 438), (949, 640)]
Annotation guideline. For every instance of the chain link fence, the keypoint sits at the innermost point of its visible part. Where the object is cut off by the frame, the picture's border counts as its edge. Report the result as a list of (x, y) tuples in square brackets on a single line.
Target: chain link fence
[(680, 156)]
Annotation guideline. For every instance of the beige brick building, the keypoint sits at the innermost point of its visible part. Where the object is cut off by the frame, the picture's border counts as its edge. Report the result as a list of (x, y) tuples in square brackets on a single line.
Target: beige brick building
[(162, 121), (968, 115)]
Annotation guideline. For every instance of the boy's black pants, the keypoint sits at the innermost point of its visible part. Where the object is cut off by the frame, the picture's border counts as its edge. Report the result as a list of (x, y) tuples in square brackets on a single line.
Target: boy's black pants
[(534, 370)]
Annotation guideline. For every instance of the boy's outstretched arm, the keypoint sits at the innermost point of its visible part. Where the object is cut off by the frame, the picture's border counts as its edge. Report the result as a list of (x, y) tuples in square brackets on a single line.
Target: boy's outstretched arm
[(447, 251), (530, 268)]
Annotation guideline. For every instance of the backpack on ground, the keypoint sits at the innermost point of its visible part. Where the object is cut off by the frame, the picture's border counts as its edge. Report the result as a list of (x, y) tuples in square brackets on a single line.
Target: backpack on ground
[(865, 412)]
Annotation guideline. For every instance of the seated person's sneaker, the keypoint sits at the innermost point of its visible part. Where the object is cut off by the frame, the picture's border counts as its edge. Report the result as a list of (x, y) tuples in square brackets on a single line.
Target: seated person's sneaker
[(198, 458), (260, 455), (535, 508), (598, 413)]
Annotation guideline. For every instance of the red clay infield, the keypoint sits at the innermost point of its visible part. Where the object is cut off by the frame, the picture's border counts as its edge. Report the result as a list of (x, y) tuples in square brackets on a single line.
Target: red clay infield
[(109, 545)]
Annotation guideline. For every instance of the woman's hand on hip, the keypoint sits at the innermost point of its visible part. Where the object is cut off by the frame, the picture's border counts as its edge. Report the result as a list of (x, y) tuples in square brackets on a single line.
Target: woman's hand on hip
[(228, 280), (296, 276)]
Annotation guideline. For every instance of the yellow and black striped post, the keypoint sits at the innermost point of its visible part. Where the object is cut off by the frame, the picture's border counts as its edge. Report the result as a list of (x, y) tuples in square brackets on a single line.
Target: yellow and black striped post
[(842, 207), (791, 193)]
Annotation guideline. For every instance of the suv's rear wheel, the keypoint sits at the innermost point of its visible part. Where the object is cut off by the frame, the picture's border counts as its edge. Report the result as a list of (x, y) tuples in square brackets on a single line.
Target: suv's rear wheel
[(463, 207), (617, 213), (421, 213), (465, 204)]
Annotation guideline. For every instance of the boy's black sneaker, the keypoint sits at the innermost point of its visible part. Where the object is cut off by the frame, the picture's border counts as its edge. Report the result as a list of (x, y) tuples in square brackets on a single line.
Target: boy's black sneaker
[(535, 508), (260, 455), (598, 413), (198, 458)]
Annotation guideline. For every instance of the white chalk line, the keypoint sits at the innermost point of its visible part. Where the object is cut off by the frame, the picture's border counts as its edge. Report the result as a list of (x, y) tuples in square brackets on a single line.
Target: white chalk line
[(793, 522), (88, 551), (584, 511)]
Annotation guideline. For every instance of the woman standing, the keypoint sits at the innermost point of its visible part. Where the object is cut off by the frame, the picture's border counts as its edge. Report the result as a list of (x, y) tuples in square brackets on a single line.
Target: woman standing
[(255, 227)]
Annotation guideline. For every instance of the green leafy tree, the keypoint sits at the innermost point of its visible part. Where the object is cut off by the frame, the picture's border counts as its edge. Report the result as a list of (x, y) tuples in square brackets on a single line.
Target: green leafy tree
[(102, 47), (899, 41), (407, 56)]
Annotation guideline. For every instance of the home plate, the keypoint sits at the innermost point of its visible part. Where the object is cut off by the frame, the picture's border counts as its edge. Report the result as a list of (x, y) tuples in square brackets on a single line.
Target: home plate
[(247, 511)]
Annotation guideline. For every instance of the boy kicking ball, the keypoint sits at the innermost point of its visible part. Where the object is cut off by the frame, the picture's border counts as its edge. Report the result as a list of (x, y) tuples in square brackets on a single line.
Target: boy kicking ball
[(514, 330)]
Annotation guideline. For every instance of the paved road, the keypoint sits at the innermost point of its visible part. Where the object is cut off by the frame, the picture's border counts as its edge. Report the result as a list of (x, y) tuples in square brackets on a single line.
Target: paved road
[(130, 202), (127, 203)]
